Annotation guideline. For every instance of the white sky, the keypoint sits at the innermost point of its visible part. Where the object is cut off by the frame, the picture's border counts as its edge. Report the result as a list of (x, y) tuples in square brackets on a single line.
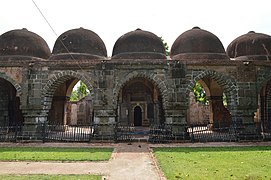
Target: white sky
[(110, 19)]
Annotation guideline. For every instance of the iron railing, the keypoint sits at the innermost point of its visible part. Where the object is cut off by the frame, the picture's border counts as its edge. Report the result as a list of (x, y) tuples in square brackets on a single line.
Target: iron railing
[(155, 133)]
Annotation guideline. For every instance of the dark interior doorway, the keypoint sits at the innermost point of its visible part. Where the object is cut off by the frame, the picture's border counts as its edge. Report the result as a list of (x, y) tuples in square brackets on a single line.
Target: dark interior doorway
[(137, 116)]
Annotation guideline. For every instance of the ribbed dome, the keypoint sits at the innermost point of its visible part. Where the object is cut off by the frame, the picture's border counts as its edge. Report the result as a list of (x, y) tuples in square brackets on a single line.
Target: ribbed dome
[(21, 42), (250, 46), (139, 44), (80, 43), (198, 43)]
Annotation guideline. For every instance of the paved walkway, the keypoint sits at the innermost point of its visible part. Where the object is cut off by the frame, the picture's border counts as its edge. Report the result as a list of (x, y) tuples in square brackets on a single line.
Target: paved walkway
[(133, 162)]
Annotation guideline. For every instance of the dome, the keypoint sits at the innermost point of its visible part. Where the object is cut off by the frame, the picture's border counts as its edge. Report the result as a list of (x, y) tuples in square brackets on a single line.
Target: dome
[(80, 43), (21, 42), (139, 44), (250, 46), (198, 43)]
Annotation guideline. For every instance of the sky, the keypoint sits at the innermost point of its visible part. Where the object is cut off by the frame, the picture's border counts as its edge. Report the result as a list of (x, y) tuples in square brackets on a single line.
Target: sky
[(110, 19)]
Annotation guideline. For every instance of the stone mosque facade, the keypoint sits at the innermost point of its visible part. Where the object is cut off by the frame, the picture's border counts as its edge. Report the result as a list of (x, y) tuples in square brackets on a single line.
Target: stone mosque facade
[(138, 84)]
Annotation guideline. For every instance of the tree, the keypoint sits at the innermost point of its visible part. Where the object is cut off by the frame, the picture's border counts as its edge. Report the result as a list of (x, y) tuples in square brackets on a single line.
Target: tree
[(199, 93), (74, 96), (81, 92), (166, 46)]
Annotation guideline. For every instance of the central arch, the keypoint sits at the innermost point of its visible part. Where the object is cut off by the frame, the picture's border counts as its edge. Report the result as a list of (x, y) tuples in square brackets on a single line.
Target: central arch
[(140, 103), (161, 85)]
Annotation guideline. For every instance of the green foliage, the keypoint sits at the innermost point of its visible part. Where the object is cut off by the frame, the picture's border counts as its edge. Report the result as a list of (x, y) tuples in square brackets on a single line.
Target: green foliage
[(225, 100), (54, 154), (74, 96), (81, 92), (166, 46), (215, 162), (199, 93)]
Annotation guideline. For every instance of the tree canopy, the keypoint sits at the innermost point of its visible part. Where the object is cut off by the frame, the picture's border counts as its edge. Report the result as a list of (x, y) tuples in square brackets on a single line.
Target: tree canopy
[(166, 46), (199, 93), (81, 92)]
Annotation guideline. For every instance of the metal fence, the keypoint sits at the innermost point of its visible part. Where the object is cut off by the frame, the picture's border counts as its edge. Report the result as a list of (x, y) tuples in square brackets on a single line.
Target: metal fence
[(124, 133), (129, 133), (10, 133), (206, 133), (160, 134), (65, 133)]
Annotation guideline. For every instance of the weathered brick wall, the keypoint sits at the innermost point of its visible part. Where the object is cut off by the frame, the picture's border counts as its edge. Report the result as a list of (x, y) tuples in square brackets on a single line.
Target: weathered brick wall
[(198, 113), (36, 82)]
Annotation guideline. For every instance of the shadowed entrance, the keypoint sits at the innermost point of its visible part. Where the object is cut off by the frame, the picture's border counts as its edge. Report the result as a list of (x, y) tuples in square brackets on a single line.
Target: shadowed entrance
[(137, 116), (140, 104)]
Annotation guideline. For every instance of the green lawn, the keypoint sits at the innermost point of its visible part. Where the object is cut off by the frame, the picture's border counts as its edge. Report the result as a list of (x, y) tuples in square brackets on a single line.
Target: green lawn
[(215, 162), (51, 177), (54, 154)]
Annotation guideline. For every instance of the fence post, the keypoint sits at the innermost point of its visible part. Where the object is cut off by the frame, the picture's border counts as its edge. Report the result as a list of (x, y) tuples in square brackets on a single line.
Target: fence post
[(115, 132), (192, 134), (74, 132), (43, 131), (91, 131), (16, 133)]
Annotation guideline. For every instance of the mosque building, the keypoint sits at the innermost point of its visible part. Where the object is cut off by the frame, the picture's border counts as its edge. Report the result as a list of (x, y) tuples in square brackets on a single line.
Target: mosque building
[(137, 86)]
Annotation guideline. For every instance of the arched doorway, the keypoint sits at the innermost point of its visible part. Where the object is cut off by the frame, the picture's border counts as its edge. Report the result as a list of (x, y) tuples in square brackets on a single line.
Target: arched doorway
[(137, 116), (208, 105), (10, 113), (140, 104), (66, 112), (264, 111)]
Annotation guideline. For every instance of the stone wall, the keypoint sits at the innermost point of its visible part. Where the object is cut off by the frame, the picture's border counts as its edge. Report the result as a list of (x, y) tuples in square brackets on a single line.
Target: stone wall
[(198, 113), (35, 86), (79, 112)]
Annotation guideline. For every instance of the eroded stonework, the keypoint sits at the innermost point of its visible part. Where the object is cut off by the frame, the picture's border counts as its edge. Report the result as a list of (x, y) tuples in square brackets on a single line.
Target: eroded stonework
[(140, 87)]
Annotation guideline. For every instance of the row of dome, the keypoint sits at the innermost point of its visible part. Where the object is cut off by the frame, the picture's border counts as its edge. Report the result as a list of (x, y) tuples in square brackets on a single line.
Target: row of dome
[(139, 44)]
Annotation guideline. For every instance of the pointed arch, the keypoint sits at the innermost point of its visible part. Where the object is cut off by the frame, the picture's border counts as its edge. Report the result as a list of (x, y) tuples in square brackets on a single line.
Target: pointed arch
[(160, 84), (228, 84), (13, 82), (264, 100), (59, 78), (262, 80)]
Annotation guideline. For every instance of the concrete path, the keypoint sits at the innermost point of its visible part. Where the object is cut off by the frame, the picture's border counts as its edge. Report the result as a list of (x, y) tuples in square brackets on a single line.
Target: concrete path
[(133, 162)]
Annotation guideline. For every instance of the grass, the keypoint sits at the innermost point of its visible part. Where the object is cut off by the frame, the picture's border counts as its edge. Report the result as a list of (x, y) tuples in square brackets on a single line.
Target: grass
[(54, 154), (51, 177), (215, 162)]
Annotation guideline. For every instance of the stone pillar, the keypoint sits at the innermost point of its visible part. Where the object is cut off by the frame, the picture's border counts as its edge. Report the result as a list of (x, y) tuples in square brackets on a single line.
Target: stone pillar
[(244, 126), (177, 120), (32, 107), (34, 121), (248, 104), (105, 121), (219, 115), (243, 120)]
